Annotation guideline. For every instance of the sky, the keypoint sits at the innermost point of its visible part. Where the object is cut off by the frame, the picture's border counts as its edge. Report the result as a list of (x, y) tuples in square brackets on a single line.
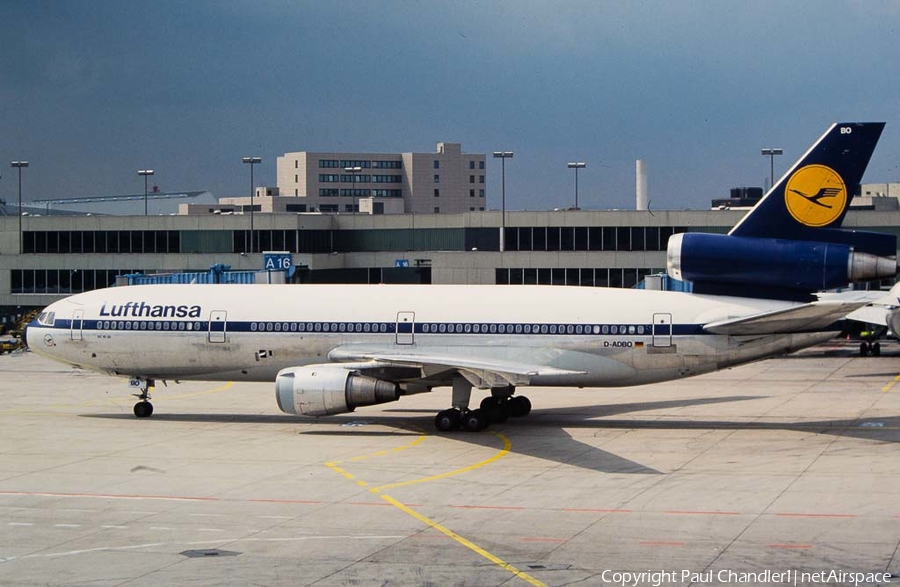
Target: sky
[(93, 90)]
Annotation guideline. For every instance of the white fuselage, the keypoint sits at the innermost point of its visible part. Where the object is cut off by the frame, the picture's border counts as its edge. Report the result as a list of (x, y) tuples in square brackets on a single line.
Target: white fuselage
[(599, 336)]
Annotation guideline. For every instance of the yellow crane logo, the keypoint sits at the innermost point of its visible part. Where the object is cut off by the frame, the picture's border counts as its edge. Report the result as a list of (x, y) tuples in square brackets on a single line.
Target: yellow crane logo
[(815, 195)]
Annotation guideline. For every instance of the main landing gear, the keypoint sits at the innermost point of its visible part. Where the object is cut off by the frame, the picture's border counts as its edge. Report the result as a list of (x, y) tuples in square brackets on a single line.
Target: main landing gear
[(143, 409), (869, 349), (496, 409)]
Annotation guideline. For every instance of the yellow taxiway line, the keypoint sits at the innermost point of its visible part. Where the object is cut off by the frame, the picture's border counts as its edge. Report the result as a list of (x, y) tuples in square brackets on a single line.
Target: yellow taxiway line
[(507, 445)]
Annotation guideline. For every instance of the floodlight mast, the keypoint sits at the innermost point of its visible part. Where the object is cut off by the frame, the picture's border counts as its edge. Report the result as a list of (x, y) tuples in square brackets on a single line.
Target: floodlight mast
[(145, 173), (251, 161), (503, 156), (576, 167), (770, 153), (19, 165)]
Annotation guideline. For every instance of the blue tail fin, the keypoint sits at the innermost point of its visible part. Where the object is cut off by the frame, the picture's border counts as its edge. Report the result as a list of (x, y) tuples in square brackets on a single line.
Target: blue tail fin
[(790, 245), (816, 192)]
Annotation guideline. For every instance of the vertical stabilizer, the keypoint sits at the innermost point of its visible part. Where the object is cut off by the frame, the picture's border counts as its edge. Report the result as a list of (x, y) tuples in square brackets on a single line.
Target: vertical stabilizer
[(816, 192)]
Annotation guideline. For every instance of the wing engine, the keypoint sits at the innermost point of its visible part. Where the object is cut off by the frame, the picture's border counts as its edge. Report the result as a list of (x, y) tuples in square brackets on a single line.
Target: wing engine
[(323, 390)]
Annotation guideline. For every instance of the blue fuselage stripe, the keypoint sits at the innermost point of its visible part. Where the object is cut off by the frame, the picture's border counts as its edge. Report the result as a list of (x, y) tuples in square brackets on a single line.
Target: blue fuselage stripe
[(424, 328)]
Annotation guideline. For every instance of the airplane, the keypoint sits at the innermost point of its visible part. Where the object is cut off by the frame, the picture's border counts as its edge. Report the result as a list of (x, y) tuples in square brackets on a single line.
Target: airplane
[(880, 318), (330, 349)]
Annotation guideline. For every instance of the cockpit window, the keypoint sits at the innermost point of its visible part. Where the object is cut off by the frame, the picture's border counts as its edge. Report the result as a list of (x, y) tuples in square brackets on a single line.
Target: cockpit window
[(47, 318)]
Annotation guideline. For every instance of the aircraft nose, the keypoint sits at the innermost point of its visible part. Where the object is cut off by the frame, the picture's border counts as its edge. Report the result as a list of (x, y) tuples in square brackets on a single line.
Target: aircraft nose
[(26, 328), (25, 341), (25, 337)]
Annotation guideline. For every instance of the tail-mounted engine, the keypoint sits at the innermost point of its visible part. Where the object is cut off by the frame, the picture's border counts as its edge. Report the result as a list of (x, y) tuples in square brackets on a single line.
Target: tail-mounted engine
[(770, 263), (323, 390)]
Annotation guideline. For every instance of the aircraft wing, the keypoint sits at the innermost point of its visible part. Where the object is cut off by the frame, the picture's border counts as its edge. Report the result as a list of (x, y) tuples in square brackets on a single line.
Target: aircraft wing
[(481, 372), (805, 318)]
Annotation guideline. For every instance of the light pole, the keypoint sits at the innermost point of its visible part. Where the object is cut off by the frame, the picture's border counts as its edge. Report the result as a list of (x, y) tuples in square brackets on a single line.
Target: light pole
[(145, 173), (771, 154), (352, 171), (19, 165), (576, 167), (503, 156), (251, 161)]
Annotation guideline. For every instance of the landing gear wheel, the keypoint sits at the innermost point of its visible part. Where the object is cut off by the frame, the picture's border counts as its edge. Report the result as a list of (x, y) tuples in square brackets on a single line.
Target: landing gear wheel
[(498, 415), (863, 349), (496, 409), (143, 409), (448, 420), (475, 420), (519, 406), (490, 402), (876, 349)]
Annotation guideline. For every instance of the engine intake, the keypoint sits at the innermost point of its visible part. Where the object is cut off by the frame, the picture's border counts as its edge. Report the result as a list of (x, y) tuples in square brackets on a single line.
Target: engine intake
[(774, 263), (323, 390)]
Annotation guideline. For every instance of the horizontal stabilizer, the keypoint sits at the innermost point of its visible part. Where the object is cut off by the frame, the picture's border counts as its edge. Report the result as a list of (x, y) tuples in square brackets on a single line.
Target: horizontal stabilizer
[(805, 318), (881, 306)]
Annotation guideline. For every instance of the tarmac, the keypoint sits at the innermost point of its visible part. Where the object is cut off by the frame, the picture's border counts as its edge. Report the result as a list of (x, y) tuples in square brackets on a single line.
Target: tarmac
[(779, 472)]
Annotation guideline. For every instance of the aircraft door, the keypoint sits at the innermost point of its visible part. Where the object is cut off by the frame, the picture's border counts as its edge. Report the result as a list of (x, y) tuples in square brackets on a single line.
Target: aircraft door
[(77, 324), (406, 326), (217, 325), (662, 330)]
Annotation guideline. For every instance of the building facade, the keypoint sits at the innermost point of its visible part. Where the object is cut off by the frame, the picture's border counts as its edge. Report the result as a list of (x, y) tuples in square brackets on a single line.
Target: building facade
[(447, 181)]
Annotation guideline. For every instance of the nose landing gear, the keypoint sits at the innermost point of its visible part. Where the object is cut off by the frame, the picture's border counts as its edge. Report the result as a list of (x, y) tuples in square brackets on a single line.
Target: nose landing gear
[(143, 409)]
